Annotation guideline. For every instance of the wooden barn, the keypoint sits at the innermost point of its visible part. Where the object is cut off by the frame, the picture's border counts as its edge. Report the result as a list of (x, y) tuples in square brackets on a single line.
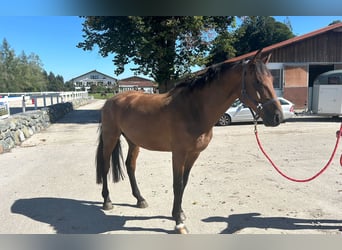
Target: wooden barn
[(295, 63)]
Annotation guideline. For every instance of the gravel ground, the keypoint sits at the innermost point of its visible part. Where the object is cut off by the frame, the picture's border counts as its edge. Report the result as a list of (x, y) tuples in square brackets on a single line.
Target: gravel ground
[(47, 185)]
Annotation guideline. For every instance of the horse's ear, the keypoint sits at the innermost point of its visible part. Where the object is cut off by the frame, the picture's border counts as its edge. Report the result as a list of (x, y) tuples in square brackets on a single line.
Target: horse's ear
[(267, 58), (257, 55)]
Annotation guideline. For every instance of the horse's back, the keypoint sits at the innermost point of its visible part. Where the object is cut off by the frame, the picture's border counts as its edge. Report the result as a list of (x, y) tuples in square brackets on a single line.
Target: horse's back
[(137, 101)]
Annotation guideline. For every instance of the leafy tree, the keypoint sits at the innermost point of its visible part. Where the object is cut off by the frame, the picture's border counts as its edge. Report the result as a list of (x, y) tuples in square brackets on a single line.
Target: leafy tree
[(55, 83), (69, 86), (258, 32), (36, 68), (254, 33), (24, 73), (19, 73), (162, 47), (29, 74), (7, 66), (222, 49), (334, 22)]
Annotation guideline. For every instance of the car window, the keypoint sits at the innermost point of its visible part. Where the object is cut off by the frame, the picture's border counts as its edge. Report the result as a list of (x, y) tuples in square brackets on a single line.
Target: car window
[(283, 102), (236, 103)]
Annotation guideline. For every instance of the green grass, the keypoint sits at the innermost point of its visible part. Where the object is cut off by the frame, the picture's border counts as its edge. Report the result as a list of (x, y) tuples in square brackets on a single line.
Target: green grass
[(98, 95)]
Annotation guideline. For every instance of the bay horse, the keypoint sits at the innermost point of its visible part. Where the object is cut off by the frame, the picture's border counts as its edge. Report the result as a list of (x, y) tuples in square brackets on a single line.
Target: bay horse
[(180, 121)]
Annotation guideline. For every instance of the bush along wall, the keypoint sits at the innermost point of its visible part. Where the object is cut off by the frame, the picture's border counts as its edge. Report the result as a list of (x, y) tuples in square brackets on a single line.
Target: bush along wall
[(17, 128)]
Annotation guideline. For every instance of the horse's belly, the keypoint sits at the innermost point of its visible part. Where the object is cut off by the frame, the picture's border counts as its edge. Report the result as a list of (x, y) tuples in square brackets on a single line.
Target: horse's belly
[(149, 140)]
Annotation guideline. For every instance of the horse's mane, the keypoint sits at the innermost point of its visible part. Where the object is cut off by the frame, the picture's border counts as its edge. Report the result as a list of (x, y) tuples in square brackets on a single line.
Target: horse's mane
[(207, 75), (203, 77)]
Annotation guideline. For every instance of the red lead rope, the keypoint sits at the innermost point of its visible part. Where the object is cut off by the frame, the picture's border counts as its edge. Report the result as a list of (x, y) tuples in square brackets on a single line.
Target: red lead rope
[(338, 135)]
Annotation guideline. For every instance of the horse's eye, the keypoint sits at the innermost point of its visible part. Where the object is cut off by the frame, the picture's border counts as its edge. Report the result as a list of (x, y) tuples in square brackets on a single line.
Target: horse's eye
[(258, 85)]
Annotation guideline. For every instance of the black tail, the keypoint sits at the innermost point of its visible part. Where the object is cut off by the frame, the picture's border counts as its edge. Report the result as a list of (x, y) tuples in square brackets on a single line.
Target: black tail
[(99, 159), (117, 160)]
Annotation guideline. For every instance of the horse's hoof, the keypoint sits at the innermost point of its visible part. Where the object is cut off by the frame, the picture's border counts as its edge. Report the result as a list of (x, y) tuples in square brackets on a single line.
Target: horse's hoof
[(142, 204), (181, 229), (107, 206)]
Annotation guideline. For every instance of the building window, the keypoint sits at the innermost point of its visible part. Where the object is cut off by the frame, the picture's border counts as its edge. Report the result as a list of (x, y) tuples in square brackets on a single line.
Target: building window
[(277, 78), (94, 77)]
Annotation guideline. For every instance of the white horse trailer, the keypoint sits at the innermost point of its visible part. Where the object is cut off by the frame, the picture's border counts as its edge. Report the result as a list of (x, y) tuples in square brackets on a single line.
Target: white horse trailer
[(327, 94)]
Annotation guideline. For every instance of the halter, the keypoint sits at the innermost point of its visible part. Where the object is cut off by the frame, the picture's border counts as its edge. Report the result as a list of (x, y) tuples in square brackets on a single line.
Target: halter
[(244, 95)]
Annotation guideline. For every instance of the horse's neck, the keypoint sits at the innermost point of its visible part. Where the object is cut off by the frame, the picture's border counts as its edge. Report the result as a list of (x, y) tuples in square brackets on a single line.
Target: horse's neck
[(219, 95)]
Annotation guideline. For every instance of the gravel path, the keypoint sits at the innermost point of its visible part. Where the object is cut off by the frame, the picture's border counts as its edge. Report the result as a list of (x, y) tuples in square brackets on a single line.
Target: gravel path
[(47, 185)]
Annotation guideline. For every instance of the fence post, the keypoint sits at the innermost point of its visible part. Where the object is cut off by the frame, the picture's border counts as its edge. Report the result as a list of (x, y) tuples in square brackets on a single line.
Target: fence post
[(44, 100), (23, 104), (35, 102), (8, 105)]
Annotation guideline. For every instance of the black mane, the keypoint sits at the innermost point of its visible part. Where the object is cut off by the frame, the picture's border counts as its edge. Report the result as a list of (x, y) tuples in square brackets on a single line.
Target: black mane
[(199, 80)]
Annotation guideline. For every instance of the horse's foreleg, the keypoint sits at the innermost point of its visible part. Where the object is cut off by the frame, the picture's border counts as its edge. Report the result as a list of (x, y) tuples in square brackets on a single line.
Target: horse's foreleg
[(178, 161), (132, 155), (181, 171), (190, 160)]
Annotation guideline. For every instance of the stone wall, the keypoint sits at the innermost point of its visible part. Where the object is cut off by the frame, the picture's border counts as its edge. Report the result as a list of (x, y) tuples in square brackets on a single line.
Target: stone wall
[(17, 128)]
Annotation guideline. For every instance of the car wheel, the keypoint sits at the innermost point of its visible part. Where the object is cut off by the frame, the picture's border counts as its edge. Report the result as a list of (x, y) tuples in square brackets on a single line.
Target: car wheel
[(224, 120)]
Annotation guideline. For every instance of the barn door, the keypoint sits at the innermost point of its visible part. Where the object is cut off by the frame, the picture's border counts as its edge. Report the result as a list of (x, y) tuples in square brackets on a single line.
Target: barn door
[(296, 84)]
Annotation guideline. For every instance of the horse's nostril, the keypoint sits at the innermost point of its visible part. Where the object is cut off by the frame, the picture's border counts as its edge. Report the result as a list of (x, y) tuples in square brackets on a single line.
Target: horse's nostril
[(278, 118)]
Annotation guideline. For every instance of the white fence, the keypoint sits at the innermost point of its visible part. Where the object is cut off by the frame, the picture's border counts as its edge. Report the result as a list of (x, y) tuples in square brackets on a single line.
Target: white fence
[(35, 100)]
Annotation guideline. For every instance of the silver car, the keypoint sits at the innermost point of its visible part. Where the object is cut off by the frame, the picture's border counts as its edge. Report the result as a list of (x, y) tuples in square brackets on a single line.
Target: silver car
[(239, 112)]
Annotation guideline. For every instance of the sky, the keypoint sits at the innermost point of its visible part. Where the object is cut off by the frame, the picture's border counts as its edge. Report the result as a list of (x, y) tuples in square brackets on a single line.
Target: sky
[(54, 40)]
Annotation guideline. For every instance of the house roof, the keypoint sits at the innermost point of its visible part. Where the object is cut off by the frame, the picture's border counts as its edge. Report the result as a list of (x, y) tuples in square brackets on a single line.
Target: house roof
[(335, 27), (93, 71), (136, 81)]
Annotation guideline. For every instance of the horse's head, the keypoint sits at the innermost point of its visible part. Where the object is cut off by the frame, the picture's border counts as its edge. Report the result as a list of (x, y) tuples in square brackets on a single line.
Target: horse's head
[(257, 91)]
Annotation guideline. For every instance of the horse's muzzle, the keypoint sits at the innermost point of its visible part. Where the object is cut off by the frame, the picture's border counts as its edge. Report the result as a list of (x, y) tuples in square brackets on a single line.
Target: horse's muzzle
[(273, 119)]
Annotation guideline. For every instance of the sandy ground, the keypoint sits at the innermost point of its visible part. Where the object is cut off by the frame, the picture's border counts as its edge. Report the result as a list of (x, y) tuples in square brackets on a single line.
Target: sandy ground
[(47, 185)]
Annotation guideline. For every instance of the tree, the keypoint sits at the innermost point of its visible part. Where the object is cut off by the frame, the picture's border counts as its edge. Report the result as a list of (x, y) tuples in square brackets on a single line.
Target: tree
[(163, 48), (259, 32), (254, 33), (36, 69), (29, 74), (20, 73), (7, 67), (69, 86), (55, 83), (334, 22), (222, 49)]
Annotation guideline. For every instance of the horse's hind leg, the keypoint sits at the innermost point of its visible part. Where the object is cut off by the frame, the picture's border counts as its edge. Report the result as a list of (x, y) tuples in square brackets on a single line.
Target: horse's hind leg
[(107, 203), (107, 145), (133, 152)]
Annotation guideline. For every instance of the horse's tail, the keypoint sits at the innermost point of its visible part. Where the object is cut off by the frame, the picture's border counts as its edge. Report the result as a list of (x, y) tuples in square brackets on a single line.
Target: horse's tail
[(117, 159), (99, 159)]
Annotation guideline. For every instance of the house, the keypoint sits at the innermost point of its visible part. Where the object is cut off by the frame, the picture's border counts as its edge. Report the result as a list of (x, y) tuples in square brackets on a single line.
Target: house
[(296, 62), (137, 83), (85, 81)]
